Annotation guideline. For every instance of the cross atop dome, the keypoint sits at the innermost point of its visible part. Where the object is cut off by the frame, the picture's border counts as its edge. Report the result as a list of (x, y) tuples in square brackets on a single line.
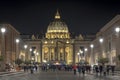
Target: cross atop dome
[(57, 16)]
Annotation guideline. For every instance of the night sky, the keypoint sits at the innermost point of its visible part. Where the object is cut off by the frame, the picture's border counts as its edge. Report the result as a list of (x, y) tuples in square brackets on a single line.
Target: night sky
[(84, 16)]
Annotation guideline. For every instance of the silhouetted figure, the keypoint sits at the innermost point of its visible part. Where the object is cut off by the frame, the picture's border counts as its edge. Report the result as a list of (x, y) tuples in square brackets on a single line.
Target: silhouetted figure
[(79, 69), (113, 69), (83, 70), (32, 69), (101, 69), (36, 67), (74, 69), (96, 69), (25, 68), (53, 67), (108, 69), (104, 70)]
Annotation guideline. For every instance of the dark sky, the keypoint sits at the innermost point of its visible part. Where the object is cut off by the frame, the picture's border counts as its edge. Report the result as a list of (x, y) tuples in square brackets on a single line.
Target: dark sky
[(84, 16)]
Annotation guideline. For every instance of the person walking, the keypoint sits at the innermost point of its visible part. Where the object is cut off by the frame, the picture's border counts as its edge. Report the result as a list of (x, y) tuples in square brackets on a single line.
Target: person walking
[(83, 70), (112, 69), (79, 69), (108, 69), (104, 70), (101, 69), (32, 69), (74, 69), (96, 69)]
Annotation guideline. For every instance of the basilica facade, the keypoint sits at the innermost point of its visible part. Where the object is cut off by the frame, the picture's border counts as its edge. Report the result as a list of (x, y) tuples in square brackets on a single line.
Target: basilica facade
[(57, 46)]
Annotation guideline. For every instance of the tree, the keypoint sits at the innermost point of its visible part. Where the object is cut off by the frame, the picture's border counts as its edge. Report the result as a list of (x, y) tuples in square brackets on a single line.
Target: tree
[(18, 61), (103, 60)]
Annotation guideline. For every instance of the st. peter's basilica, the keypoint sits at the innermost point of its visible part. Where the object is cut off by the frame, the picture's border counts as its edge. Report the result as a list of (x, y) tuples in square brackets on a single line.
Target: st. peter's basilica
[(58, 46)]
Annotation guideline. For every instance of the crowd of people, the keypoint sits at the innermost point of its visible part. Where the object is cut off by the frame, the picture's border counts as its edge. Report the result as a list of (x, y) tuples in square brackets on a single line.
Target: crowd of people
[(30, 68), (104, 69), (81, 69), (98, 69), (46, 67)]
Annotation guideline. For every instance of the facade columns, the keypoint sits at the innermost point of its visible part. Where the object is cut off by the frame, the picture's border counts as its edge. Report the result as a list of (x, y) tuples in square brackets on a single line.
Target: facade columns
[(92, 55), (56, 51), (49, 51), (64, 52)]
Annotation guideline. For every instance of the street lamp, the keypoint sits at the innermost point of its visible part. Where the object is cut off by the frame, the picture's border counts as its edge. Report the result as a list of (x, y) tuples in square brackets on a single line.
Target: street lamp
[(92, 57), (101, 40), (30, 53), (91, 45), (3, 30), (26, 55), (30, 50), (85, 49), (25, 46), (101, 46), (117, 29), (17, 40), (17, 52)]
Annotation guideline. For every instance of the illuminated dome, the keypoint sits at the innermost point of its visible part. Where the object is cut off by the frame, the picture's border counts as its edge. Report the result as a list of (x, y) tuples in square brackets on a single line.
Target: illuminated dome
[(57, 28)]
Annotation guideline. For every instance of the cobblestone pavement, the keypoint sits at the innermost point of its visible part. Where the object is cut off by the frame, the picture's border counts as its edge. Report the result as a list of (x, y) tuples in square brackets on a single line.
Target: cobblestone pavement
[(57, 75)]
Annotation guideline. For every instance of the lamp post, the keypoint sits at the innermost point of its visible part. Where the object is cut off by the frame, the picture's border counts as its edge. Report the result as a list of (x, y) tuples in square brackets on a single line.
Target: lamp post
[(85, 49), (30, 50), (3, 30), (101, 47), (26, 55), (101, 42), (37, 56), (25, 46), (17, 51), (92, 57), (34, 55), (117, 30), (30, 54)]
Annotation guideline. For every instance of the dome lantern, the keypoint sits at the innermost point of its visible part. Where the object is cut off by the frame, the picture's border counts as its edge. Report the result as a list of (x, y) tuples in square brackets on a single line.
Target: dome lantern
[(57, 16)]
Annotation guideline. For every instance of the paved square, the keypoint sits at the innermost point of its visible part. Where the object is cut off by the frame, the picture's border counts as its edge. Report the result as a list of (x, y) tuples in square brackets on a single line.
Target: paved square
[(56, 75)]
